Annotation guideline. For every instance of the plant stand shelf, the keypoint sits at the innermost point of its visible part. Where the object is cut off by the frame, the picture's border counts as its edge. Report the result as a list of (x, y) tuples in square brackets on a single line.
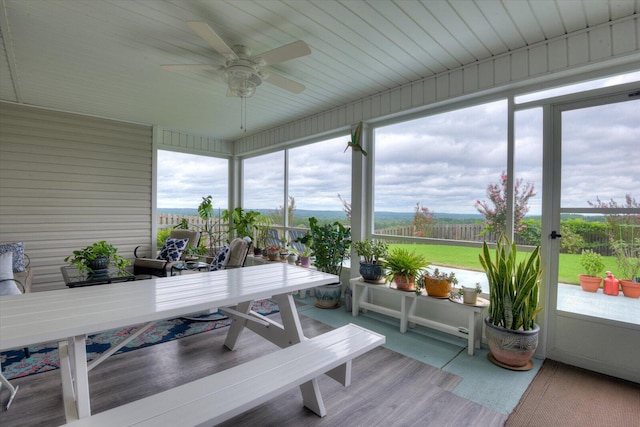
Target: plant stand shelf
[(407, 312)]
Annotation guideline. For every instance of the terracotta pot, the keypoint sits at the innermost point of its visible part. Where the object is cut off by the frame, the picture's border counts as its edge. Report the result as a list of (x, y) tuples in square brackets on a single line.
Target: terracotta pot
[(404, 283), (630, 289), (437, 288), (589, 283), (511, 349)]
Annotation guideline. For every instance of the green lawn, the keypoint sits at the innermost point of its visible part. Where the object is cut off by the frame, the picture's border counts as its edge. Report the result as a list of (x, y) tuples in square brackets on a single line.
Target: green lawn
[(467, 258)]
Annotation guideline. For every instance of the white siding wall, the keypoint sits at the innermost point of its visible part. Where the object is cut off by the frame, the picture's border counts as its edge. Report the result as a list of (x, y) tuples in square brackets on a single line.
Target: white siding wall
[(595, 48), (67, 181), (180, 141)]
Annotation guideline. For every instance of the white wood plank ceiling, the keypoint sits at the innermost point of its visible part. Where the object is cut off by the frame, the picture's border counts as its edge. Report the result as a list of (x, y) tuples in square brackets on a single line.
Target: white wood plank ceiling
[(103, 57)]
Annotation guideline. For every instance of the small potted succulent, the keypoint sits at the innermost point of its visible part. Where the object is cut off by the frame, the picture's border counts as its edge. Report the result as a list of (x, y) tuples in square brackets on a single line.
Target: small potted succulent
[(96, 258), (403, 266), (469, 295), (593, 266), (436, 283), (373, 253)]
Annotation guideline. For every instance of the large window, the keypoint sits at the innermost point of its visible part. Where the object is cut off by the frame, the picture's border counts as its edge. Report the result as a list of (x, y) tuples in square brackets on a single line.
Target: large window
[(320, 179), (183, 179), (318, 183), (431, 173), (264, 184)]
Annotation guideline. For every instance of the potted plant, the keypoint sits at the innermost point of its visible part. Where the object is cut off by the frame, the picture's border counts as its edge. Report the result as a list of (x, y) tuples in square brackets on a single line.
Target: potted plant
[(403, 266), (273, 252), (330, 246), (628, 258), (213, 236), (436, 283), (372, 253), (262, 226), (96, 258), (469, 295), (511, 330), (304, 255), (241, 222), (593, 265)]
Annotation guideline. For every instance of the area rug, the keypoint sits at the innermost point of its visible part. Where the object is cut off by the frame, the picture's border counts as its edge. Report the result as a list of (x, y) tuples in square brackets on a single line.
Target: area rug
[(564, 395), (44, 357)]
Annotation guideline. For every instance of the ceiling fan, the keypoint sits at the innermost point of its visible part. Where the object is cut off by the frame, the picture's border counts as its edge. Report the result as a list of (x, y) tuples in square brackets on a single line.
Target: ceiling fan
[(243, 72)]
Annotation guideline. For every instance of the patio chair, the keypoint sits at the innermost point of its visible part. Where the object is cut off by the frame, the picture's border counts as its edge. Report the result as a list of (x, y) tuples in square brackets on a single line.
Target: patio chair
[(274, 238), (171, 253), (297, 234), (232, 256)]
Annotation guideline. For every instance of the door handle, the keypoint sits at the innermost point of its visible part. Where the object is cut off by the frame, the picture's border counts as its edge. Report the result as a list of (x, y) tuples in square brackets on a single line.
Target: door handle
[(555, 235)]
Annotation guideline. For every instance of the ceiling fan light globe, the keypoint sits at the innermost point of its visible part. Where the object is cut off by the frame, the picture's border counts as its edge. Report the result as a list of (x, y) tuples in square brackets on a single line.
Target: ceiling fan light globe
[(240, 85), (242, 81)]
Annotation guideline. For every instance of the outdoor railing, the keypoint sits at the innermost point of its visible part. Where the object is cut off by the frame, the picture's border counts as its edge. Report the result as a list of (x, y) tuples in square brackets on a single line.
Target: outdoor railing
[(463, 232)]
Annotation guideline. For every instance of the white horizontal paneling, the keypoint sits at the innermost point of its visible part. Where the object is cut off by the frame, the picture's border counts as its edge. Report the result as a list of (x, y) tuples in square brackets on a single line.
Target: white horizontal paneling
[(196, 144), (68, 180), (565, 53), (103, 58)]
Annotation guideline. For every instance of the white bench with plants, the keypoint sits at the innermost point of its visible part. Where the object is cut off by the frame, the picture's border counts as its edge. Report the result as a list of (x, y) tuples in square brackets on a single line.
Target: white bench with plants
[(407, 312), (221, 396)]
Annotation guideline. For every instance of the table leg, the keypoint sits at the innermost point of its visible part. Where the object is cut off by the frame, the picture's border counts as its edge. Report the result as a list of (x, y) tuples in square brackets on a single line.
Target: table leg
[(289, 333), (237, 326), (12, 390), (311, 396), (75, 377)]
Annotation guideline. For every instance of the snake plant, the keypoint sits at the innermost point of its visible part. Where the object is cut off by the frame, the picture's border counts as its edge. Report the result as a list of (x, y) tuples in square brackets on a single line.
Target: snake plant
[(513, 285)]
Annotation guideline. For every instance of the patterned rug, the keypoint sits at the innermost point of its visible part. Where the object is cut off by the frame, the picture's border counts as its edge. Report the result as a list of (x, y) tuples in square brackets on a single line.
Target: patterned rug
[(44, 357)]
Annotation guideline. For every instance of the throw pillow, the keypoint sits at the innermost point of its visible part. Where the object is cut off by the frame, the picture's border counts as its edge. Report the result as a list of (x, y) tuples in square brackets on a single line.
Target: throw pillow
[(220, 260), (172, 249), (7, 284), (17, 248)]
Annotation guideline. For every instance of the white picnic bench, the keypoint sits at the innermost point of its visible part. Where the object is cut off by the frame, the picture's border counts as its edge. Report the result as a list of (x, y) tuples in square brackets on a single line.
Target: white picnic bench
[(67, 316), (216, 398)]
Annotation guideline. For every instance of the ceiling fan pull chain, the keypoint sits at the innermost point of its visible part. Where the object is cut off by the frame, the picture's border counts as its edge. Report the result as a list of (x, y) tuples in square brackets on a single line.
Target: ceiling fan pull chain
[(243, 113)]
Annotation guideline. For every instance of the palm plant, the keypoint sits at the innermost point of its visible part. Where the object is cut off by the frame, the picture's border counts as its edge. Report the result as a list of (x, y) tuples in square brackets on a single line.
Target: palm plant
[(513, 285)]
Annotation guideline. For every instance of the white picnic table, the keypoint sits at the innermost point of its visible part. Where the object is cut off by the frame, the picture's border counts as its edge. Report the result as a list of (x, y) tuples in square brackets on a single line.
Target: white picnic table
[(67, 316)]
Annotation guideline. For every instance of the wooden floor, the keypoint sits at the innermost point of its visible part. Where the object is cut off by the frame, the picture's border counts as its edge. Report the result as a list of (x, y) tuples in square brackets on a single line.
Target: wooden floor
[(387, 388)]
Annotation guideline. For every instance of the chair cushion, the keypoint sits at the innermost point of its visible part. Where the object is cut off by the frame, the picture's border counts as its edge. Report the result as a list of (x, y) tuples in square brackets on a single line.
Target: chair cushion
[(172, 249), (239, 249), (7, 284), (221, 259), (17, 248)]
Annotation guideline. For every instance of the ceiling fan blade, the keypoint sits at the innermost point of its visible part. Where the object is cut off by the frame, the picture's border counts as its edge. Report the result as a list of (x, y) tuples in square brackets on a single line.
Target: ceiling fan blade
[(285, 53), (284, 83), (180, 67), (206, 32)]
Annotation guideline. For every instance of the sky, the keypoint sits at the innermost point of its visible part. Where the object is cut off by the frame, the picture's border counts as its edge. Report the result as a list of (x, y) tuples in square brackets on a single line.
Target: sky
[(443, 162)]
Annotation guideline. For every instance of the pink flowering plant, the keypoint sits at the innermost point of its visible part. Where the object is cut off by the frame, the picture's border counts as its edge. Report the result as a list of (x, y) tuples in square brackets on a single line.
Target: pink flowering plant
[(495, 217), (422, 221)]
